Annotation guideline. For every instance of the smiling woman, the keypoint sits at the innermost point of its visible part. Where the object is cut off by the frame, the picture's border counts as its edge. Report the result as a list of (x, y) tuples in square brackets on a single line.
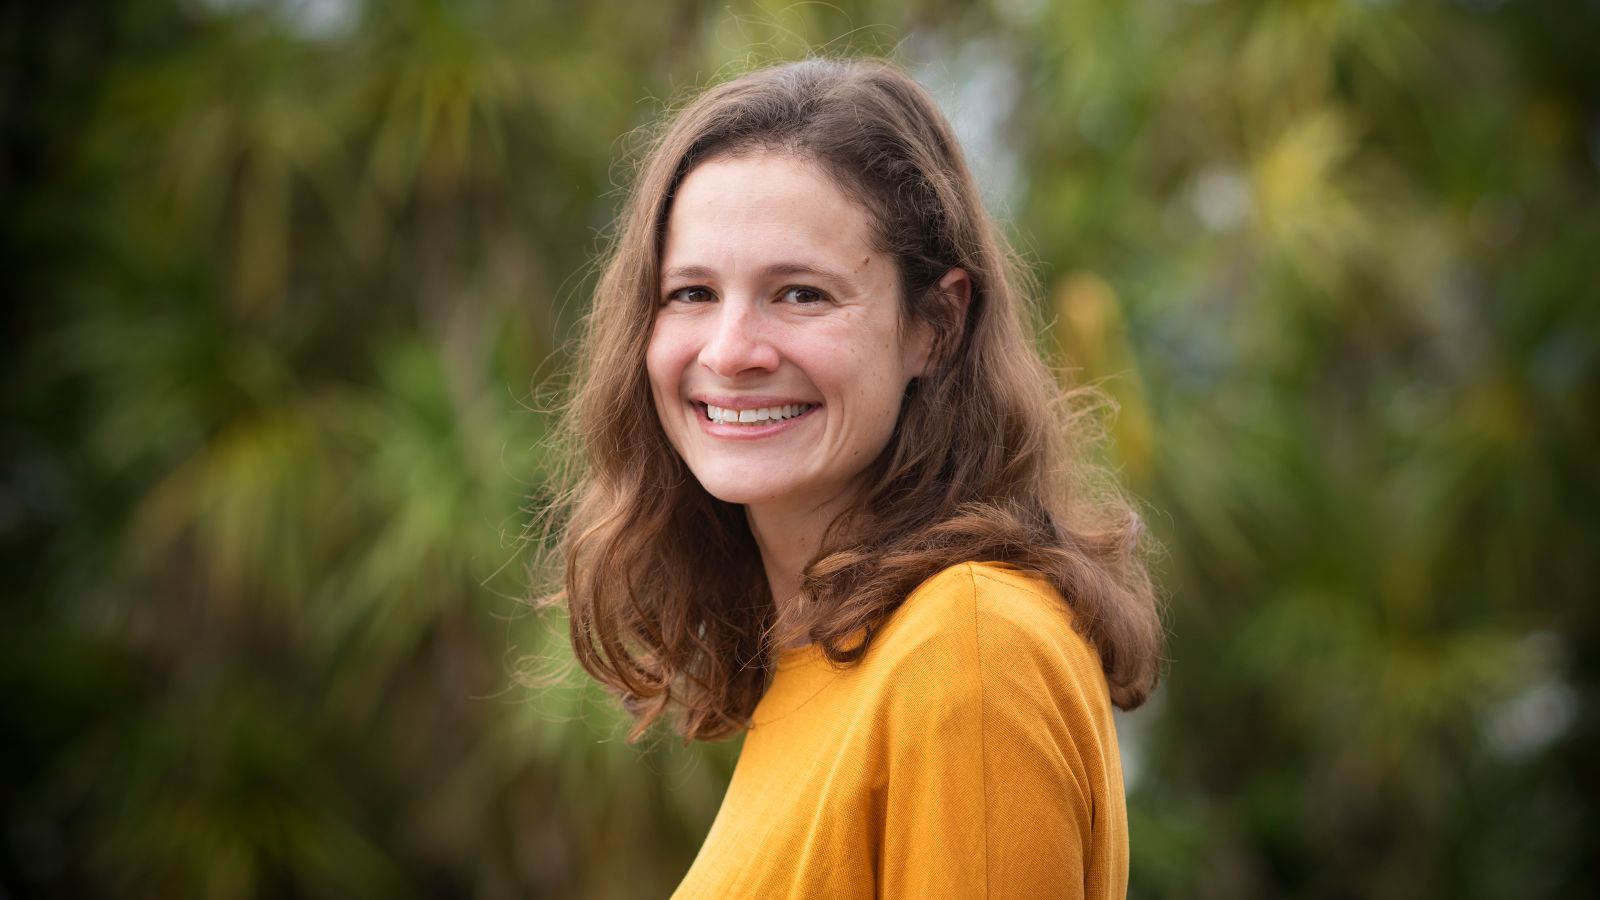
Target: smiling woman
[(858, 525)]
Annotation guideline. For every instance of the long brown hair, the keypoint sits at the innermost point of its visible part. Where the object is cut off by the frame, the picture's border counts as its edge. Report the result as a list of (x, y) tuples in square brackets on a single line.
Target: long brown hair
[(669, 605)]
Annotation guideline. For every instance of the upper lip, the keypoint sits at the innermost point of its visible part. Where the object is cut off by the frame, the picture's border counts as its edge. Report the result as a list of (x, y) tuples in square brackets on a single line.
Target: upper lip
[(749, 401)]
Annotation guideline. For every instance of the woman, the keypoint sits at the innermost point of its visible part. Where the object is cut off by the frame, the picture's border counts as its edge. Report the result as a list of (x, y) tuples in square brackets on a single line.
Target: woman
[(827, 499)]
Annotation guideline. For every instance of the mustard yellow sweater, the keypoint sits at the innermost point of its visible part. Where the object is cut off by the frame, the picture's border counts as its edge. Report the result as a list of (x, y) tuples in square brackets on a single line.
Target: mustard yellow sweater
[(970, 754)]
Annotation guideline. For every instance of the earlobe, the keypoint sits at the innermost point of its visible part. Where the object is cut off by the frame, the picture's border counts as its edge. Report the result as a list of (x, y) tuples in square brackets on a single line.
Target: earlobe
[(950, 297)]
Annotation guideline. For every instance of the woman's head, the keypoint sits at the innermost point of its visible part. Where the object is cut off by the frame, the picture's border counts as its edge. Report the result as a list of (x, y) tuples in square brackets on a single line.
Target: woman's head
[(882, 144), (664, 584), (778, 358)]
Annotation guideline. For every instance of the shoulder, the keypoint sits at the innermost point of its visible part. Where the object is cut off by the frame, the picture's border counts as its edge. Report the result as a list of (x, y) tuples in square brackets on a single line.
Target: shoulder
[(1008, 608), (987, 618), (983, 665)]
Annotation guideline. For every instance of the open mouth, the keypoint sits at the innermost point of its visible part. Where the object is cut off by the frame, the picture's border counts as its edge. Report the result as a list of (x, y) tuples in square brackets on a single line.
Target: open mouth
[(762, 416)]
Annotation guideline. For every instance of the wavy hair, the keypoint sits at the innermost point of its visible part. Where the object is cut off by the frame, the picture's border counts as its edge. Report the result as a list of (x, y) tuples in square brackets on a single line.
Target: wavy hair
[(668, 603)]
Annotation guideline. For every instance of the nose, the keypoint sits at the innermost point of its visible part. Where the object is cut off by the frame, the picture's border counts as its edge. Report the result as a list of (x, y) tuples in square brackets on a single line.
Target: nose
[(739, 342)]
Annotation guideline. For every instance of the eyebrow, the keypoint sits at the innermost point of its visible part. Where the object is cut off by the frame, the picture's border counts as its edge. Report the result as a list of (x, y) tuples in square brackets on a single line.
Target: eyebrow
[(778, 269)]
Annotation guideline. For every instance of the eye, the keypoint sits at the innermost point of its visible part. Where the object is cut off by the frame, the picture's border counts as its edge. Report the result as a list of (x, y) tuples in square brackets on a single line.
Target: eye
[(803, 294), (694, 294)]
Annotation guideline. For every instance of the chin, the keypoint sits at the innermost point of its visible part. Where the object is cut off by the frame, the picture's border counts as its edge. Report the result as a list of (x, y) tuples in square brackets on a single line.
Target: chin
[(741, 494), (744, 484)]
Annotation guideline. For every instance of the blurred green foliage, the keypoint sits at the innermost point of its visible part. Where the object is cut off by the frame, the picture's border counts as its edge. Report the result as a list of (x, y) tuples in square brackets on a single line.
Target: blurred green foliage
[(292, 283)]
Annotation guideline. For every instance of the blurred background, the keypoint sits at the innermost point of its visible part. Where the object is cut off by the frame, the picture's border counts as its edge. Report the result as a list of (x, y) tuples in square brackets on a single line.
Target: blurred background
[(293, 283)]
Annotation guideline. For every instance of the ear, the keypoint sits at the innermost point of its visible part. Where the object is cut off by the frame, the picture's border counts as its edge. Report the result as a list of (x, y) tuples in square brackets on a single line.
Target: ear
[(949, 298)]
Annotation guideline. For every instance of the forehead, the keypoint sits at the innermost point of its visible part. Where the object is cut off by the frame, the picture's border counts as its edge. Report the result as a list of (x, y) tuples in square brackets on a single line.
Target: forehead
[(744, 209)]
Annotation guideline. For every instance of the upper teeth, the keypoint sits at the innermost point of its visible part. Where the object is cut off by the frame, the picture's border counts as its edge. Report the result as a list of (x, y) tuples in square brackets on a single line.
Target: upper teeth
[(765, 414)]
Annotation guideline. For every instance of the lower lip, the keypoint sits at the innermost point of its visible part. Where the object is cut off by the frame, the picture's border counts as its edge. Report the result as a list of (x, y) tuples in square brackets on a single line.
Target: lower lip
[(748, 432)]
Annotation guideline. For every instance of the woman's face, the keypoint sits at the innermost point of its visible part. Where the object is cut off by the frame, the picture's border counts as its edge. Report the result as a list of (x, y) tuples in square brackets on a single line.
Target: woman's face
[(777, 361)]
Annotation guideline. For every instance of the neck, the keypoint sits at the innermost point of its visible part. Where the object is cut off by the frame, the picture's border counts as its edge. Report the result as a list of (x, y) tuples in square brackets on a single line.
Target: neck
[(789, 539)]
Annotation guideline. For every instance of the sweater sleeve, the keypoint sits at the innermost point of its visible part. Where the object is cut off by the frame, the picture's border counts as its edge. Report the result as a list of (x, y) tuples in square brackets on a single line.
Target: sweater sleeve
[(1013, 789)]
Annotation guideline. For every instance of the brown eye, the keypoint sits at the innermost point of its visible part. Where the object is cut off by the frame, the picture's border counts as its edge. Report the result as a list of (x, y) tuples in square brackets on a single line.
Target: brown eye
[(803, 295), (695, 294)]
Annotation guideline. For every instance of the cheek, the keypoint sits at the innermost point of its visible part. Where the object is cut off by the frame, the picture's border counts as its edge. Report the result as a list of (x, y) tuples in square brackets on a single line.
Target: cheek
[(875, 390), (660, 363), (664, 380)]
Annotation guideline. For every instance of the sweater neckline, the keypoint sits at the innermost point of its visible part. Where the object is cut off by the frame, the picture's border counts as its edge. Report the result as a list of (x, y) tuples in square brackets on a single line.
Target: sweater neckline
[(802, 673)]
